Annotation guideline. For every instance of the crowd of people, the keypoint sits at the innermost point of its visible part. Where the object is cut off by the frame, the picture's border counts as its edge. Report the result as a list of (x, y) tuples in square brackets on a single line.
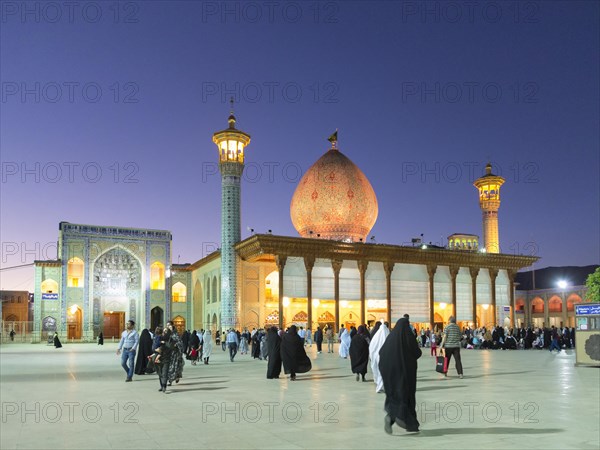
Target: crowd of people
[(391, 354), (504, 338)]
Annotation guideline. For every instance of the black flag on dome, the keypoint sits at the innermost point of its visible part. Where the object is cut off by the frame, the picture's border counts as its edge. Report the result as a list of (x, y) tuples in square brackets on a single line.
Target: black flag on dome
[(333, 138)]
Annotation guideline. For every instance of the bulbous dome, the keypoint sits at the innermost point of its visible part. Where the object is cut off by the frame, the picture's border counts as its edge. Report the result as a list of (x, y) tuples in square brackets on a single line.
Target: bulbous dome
[(334, 200)]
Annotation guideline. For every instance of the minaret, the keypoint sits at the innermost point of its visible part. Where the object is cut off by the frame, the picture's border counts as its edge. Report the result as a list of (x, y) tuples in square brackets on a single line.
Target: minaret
[(489, 202), (231, 143)]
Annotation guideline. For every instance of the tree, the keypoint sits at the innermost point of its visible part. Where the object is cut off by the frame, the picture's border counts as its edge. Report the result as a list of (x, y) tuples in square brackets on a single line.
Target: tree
[(593, 285)]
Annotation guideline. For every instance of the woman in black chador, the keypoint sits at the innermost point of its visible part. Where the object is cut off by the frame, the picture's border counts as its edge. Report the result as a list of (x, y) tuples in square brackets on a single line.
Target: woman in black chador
[(101, 339), (293, 355), (256, 345), (57, 343), (166, 352), (144, 351), (398, 366), (359, 352), (274, 346)]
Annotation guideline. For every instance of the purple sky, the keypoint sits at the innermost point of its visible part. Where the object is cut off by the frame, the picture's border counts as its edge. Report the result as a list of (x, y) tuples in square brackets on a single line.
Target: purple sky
[(422, 100)]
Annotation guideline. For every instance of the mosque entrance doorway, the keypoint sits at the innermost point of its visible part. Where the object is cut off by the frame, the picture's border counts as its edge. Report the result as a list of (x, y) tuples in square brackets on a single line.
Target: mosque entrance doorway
[(117, 286), (156, 318), (74, 317), (114, 324)]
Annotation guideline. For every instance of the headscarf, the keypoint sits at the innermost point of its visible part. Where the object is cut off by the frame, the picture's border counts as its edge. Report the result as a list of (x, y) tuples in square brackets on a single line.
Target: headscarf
[(376, 328)]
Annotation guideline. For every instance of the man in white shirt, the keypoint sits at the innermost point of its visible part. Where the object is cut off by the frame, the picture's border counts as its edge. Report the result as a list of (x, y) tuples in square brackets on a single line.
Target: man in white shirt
[(232, 343), (302, 334), (128, 343)]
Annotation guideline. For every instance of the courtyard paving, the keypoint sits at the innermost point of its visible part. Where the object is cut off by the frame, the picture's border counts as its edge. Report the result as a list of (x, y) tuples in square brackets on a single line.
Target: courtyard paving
[(76, 397)]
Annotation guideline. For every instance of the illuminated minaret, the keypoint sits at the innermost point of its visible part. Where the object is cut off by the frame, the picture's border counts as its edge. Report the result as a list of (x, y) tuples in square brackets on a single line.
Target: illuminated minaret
[(489, 202), (231, 143)]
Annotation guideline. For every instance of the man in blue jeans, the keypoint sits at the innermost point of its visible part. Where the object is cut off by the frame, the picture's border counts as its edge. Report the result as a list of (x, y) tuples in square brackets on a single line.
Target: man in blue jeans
[(554, 343), (232, 343), (128, 343)]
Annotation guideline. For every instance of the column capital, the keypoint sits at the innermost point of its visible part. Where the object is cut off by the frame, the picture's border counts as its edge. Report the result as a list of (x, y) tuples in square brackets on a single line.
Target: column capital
[(474, 271), (336, 264), (493, 273), (388, 268), (454, 271), (362, 266), (309, 263), (431, 269), (280, 261)]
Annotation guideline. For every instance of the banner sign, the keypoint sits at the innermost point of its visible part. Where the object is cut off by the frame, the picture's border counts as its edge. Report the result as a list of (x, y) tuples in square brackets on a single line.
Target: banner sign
[(588, 310)]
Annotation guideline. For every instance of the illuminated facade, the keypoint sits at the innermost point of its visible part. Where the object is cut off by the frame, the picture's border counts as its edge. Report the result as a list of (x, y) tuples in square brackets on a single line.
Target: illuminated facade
[(328, 275), (103, 276)]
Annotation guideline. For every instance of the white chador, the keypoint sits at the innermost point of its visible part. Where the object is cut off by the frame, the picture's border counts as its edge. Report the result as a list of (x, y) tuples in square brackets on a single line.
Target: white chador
[(345, 344), (374, 348), (208, 345)]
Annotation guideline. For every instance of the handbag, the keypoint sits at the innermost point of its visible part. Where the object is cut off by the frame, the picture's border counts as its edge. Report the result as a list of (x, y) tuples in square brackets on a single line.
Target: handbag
[(441, 364)]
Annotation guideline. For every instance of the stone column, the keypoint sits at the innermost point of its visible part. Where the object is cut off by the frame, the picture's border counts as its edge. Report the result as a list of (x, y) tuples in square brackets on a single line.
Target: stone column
[(474, 271), (513, 302), (280, 262), (388, 267), (453, 274), (336, 264), (431, 269), (309, 263), (493, 275), (565, 316), (546, 312), (362, 268)]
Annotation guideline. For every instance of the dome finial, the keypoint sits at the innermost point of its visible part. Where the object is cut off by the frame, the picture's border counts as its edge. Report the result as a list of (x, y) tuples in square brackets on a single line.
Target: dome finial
[(231, 119), (333, 139)]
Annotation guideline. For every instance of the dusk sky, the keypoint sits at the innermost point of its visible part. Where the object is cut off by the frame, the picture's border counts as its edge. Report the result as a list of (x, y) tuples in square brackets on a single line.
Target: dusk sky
[(108, 111)]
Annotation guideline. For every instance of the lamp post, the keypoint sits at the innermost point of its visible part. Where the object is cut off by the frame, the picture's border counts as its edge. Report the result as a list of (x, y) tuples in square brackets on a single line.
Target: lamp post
[(562, 285)]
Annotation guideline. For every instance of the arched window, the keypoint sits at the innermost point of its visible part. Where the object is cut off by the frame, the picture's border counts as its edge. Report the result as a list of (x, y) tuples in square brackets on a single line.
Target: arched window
[(208, 290), (49, 286), (75, 272), (179, 292), (214, 289), (157, 276), (537, 306)]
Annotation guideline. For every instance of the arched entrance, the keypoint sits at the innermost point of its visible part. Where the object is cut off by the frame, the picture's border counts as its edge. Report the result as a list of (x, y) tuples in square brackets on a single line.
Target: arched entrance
[(197, 306), (272, 319), (74, 321), (300, 319), (438, 322), (157, 318), (214, 324), (326, 319), (48, 326), (350, 320), (117, 287)]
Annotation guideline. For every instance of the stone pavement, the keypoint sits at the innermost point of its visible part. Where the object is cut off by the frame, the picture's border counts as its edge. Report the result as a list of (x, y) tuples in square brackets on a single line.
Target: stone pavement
[(76, 397)]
